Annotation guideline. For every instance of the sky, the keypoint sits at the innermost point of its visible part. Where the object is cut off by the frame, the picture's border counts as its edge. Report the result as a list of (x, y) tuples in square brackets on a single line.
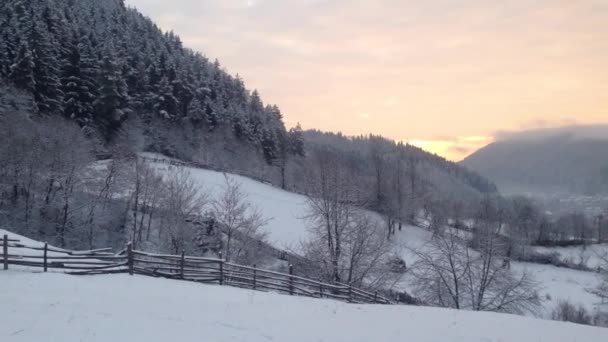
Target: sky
[(446, 75)]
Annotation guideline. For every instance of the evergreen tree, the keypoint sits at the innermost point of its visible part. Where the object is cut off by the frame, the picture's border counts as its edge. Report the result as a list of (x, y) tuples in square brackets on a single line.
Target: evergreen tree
[(78, 82), (196, 112), (22, 72), (165, 103), (8, 36), (47, 88), (295, 141), (269, 145), (111, 105), (212, 116)]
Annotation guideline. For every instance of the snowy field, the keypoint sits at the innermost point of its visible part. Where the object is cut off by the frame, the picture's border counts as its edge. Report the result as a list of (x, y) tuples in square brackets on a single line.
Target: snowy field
[(556, 283), (29, 252), (286, 229), (592, 256), (58, 307)]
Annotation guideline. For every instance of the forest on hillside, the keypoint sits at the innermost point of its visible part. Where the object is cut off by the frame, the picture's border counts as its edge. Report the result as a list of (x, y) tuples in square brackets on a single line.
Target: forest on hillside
[(122, 80)]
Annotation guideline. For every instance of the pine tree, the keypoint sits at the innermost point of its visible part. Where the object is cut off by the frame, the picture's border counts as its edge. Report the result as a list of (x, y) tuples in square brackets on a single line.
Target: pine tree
[(255, 102), (196, 112), (47, 92), (296, 141), (78, 82), (111, 105), (269, 145), (137, 82), (8, 35), (165, 103), (22, 72), (212, 116)]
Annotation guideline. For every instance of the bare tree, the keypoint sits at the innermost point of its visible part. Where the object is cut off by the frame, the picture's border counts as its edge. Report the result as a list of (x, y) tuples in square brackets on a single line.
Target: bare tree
[(601, 226), (103, 183), (524, 221), (347, 244), (330, 210), (147, 188), (449, 274), (42, 170), (601, 290), (183, 199), (240, 220)]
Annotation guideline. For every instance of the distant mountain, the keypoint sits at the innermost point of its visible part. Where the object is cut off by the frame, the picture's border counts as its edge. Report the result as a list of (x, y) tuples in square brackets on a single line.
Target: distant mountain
[(568, 159)]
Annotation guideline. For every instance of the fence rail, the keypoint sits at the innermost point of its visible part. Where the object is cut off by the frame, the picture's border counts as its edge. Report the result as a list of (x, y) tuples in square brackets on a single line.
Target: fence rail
[(182, 267)]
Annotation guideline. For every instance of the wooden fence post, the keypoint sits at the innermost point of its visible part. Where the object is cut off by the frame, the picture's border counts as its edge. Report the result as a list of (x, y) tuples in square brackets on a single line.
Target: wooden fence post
[(254, 276), (130, 257), (321, 291), (350, 293), (181, 265), (290, 279), (5, 252), (221, 269), (375, 297), (46, 250)]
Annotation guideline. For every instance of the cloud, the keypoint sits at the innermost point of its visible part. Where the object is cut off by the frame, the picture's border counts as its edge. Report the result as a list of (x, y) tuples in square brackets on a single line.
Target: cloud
[(570, 131), (459, 150), (455, 148)]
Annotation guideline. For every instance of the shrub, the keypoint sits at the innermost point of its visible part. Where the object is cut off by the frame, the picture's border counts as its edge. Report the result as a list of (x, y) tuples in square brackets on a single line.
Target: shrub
[(568, 312)]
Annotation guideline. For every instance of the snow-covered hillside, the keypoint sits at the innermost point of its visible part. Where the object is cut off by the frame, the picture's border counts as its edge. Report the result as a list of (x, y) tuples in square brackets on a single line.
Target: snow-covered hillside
[(287, 228), (285, 210), (58, 307)]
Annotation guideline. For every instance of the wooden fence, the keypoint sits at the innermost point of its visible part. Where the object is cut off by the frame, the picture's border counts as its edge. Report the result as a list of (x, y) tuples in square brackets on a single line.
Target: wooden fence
[(182, 267)]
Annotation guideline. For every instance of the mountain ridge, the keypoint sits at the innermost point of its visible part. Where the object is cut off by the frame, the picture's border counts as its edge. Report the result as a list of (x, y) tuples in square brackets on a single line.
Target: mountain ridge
[(568, 159)]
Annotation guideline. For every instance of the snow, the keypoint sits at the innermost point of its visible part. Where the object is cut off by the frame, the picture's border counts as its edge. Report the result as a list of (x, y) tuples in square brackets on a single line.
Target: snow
[(59, 307), (30, 243), (592, 256), (556, 283), (285, 210), (287, 229), (33, 254), (559, 283)]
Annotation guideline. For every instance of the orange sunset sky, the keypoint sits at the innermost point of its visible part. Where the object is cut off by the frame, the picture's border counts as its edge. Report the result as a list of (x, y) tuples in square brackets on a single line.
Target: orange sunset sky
[(445, 75)]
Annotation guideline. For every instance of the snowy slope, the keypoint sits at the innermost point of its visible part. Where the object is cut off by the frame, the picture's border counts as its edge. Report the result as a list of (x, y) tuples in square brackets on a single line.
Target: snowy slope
[(58, 307), (287, 229), (284, 209)]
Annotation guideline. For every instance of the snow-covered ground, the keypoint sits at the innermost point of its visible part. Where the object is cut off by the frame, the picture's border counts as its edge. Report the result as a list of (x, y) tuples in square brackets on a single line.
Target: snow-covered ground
[(287, 228), (34, 255), (556, 283), (285, 210), (58, 307), (592, 256)]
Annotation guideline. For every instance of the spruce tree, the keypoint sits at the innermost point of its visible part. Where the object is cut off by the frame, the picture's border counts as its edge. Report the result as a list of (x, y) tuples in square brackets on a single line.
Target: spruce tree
[(196, 112), (47, 88), (78, 82), (111, 105), (296, 141), (165, 103), (22, 71)]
